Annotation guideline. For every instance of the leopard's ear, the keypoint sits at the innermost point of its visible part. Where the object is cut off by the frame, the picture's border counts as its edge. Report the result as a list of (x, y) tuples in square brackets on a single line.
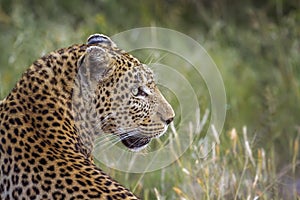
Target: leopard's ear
[(100, 39), (96, 65)]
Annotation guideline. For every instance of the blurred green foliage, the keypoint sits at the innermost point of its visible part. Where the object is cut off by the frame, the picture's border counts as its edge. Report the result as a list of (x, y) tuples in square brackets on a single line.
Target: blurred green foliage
[(255, 44)]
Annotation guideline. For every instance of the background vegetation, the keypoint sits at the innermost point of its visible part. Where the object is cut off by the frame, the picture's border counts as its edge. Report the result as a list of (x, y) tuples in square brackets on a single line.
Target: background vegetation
[(255, 44)]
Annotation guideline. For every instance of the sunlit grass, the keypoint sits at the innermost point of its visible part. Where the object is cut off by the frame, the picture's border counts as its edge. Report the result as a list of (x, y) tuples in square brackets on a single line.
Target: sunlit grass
[(233, 170)]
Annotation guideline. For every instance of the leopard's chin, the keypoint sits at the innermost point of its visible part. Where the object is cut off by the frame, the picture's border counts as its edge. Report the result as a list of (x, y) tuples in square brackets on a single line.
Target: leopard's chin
[(135, 143)]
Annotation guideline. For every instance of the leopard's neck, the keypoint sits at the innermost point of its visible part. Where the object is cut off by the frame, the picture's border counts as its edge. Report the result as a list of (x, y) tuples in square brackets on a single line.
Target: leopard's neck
[(46, 88)]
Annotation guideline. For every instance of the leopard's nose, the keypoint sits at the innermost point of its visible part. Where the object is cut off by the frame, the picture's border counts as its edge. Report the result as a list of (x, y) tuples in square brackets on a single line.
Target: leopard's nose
[(168, 121)]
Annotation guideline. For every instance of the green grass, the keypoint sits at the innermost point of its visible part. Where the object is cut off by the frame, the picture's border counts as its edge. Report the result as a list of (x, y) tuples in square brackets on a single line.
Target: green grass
[(257, 53)]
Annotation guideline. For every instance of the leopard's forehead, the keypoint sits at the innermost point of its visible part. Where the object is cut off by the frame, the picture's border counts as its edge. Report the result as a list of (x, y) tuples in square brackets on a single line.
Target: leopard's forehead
[(149, 73), (131, 67), (143, 74)]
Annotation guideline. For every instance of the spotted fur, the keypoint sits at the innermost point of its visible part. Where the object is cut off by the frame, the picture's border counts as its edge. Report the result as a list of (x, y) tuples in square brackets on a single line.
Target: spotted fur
[(49, 121)]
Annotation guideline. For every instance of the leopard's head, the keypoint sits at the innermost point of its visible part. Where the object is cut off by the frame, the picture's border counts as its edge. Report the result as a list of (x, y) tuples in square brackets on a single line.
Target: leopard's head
[(126, 100)]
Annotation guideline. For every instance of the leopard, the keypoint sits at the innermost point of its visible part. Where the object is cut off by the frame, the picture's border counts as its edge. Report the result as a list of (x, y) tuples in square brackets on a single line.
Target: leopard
[(61, 104)]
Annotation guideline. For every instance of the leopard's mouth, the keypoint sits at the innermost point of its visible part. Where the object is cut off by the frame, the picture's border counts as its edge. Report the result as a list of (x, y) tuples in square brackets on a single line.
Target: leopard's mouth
[(135, 143), (139, 139)]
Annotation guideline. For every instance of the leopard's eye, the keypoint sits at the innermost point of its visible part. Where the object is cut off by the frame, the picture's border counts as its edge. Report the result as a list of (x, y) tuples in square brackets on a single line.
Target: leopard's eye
[(139, 91)]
